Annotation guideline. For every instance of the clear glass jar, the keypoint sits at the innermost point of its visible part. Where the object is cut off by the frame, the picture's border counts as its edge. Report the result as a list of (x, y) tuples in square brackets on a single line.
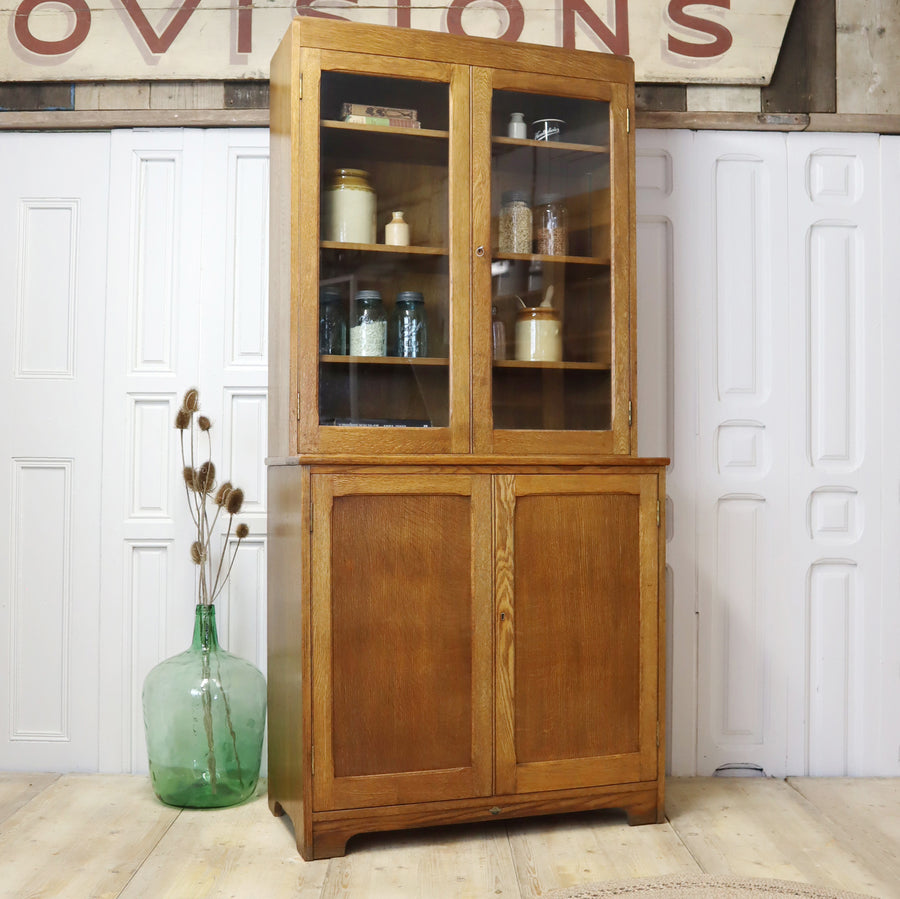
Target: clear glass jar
[(368, 331), (409, 332), (515, 223), (348, 207), (551, 226), (332, 323)]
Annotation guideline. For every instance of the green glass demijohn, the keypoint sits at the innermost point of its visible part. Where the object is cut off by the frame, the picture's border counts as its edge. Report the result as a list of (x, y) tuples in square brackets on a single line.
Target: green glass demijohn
[(204, 716), (205, 709)]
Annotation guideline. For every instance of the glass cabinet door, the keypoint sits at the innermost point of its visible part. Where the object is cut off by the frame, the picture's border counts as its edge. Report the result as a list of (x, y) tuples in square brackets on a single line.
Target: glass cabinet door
[(555, 326), (389, 343)]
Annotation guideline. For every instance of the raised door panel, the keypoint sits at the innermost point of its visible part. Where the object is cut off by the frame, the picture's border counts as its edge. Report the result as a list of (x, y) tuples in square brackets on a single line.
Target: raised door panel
[(401, 639), (577, 603)]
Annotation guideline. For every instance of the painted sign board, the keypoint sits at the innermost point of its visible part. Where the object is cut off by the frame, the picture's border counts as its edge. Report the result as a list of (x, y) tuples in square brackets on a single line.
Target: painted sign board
[(720, 41)]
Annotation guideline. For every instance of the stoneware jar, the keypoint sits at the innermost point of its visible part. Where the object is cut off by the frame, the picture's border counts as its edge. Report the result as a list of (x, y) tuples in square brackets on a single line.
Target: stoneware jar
[(348, 206), (538, 335)]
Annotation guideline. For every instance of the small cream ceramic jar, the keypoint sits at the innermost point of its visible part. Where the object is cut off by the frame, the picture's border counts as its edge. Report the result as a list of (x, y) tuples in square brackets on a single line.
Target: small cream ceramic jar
[(538, 335)]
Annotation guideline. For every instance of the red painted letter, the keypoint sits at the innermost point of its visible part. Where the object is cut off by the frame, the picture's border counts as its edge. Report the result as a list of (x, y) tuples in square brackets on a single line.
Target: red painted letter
[(615, 41), (52, 48), (159, 43), (245, 26), (513, 7), (722, 37), (403, 14)]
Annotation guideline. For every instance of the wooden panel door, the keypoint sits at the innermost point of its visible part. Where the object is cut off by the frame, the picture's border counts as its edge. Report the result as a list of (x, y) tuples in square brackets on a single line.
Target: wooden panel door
[(577, 595), (401, 638)]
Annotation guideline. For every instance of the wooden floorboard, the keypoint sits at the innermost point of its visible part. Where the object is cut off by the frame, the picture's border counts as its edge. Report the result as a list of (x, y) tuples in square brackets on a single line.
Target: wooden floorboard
[(108, 836)]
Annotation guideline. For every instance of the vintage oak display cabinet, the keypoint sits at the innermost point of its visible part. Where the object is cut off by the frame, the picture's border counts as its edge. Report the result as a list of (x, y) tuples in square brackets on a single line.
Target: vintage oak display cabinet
[(465, 616)]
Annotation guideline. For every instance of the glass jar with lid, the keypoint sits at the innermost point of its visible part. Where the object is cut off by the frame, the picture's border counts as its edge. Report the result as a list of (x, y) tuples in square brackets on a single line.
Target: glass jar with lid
[(515, 223), (348, 207), (368, 331), (332, 323), (551, 226), (409, 335)]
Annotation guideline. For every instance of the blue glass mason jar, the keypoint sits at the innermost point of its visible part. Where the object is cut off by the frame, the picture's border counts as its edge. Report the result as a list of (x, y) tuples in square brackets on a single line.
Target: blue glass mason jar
[(409, 332), (332, 323)]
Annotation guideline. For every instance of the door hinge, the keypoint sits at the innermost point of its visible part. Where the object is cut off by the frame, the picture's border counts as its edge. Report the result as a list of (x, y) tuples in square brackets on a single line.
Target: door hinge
[(312, 755), (657, 524), (298, 405), (310, 512), (657, 735), (629, 414), (299, 87), (628, 121)]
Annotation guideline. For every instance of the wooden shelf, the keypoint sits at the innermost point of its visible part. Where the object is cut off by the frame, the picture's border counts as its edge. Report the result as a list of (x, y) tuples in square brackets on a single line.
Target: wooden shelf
[(386, 360), (552, 366), (387, 129), (514, 142), (384, 248), (538, 257)]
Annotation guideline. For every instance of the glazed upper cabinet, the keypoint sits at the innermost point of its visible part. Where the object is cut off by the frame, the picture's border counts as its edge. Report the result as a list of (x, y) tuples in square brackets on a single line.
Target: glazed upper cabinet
[(520, 252)]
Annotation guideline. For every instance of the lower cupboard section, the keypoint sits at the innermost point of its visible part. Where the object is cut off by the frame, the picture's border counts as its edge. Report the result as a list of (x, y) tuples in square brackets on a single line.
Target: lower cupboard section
[(455, 643)]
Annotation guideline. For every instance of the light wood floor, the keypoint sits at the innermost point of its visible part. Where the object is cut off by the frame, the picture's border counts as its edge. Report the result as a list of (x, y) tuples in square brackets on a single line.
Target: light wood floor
[(88, 836)]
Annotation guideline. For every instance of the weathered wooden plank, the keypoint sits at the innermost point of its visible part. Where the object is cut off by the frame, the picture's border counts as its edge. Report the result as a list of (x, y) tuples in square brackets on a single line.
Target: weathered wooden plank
[(796, 85), (563, 851), (40, 95), (239, 851), (868, 57), (17, 790), (112, 95), (761, 827), (864, 813), (246, 94), (660, 97), (84, 835), (723, 121), (469, 861), (98, 120), (187, 95)]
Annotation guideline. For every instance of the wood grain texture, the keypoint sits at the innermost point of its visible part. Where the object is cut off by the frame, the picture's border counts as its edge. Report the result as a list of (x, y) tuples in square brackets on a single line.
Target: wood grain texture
[(244, 852), (43, 846), (730, 824), (17, 790)]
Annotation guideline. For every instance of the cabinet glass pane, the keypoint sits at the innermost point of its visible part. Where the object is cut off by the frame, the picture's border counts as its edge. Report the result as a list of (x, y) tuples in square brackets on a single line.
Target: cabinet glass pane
[(551, 287), (384, 360)]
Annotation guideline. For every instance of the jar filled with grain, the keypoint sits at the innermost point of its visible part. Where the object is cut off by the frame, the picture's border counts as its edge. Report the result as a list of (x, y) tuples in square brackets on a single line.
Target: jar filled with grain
[(551, 226), (368, 332), (515, 223)]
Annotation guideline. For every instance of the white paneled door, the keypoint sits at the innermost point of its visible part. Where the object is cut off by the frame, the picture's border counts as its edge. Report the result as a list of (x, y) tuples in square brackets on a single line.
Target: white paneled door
[(53, 256), (133, 265)]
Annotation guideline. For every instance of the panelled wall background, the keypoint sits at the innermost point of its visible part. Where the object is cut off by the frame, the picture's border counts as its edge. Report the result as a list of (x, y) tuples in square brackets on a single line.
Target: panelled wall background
[(133, 265)]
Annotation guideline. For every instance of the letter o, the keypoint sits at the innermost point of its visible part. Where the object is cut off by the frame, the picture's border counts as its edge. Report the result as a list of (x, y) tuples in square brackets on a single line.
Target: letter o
[(513, 7), (52, 48)]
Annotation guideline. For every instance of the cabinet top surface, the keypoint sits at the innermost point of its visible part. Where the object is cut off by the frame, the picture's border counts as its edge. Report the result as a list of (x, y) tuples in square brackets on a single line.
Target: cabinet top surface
[(408, 43)]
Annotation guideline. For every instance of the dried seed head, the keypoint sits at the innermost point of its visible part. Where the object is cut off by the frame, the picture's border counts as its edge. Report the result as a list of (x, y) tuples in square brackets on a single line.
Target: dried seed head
[(190, 476), (222, 493), (191, 401), (182, 419), (242, 531), (204, 423), (206, 477), (198, 553), (235, 501)]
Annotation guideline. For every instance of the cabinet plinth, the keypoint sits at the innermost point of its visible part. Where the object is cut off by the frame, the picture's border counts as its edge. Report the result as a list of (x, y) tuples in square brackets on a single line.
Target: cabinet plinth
[(465, 554)]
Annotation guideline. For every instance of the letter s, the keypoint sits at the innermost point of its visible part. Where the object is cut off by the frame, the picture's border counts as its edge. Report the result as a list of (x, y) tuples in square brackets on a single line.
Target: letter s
[(722, 37)]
